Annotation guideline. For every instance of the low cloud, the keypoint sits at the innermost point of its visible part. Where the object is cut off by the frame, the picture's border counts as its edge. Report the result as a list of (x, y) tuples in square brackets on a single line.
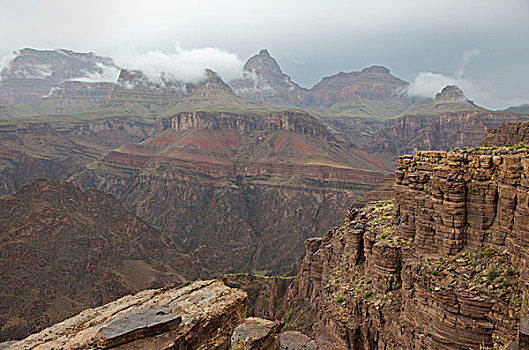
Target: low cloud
[(428, 84), (109, 74), (6, 60), (184, 65)]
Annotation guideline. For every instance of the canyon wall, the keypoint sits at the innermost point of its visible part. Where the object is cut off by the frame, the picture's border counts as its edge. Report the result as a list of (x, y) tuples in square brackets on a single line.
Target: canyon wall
[(412, 133), (508, 133), (444, 266)]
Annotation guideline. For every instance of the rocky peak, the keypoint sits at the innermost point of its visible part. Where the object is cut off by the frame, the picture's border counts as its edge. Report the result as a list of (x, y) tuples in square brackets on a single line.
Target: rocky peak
[(212, 86), (263, 63), (375, 70), (137, 80), (30, 74), (54, 65), (264, 81), (451, 94)]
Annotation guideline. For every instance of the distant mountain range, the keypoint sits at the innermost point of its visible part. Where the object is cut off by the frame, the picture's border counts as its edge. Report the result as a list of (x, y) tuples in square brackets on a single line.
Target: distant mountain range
[(42, 75), (524, 108)]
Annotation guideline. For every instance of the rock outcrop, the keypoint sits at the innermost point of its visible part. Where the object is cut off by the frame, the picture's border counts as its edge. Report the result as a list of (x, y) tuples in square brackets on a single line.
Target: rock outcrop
[(202, 316), (451, 94), (256, 334), (508, 133), (443, 267), (31, 74), (294, 340), (444, 132)]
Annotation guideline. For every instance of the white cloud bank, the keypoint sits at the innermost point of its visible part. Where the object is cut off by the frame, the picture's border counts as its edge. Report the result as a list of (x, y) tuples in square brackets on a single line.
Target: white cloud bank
[(108, 74), (428, 84), (183, 65)]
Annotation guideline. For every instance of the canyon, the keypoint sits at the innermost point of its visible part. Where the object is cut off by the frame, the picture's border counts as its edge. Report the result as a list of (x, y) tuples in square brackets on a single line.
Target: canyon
[(199, 180), (442, 265)]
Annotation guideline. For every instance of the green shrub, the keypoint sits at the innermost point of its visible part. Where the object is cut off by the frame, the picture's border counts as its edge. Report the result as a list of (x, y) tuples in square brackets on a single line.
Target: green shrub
[(488, 252), (492, 274), (505, 283), (510, 272), (367, 295), (340, 300)]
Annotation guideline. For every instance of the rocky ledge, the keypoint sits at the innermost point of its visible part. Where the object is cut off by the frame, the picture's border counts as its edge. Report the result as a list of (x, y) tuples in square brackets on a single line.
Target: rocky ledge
[(508, 133), (202, 315)]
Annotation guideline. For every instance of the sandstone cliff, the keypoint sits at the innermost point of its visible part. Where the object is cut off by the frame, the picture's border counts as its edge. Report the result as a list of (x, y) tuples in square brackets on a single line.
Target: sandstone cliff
[(508, 133), (444, 266), (412, 133)]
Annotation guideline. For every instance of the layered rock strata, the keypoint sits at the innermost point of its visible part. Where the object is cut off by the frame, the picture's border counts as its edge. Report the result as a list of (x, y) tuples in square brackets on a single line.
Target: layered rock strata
[(246, 173), (444, 267), (202, 315), (508, 133), (423, 132)]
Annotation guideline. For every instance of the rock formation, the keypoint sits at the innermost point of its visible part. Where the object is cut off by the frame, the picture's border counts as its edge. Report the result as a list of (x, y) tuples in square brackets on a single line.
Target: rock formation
[(264, 81), (256, 334), (451, 94), (237, 168), (31, 74), (444, 267), (372, 92), (412, 133), (201, 316), (508, 133)]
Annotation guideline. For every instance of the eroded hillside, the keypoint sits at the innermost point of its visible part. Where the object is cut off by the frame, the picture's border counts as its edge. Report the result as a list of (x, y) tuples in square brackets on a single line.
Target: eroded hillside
[(64, 250)]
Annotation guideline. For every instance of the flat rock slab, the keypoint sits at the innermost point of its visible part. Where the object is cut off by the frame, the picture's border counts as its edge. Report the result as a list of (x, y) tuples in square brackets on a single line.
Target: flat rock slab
[(202, 315), (140, 324), (256, 334)]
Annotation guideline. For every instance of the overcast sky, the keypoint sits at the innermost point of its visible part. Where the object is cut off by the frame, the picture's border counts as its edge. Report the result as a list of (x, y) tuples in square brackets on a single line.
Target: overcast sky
[(482, 45)]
